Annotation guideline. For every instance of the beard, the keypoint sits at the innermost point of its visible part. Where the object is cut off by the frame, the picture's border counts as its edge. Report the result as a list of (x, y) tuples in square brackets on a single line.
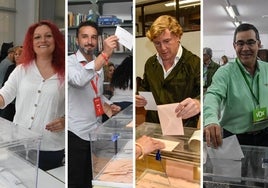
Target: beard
[(87, 51)]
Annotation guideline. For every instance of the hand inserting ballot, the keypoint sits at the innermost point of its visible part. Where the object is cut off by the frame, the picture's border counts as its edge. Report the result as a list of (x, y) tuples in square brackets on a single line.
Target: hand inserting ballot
[(146, 145)]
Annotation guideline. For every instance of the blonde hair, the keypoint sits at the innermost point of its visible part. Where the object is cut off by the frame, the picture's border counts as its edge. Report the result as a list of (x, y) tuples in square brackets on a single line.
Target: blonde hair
[(161, 24), (106, 70)]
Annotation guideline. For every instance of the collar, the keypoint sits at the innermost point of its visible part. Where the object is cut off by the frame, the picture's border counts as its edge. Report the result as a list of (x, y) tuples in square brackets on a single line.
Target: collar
[(206, 65), (177, 57), (89, 65), (80, 57), (245, 70)]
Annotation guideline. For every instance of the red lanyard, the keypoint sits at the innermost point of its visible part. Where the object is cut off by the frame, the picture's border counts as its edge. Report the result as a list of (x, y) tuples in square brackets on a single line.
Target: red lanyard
[(95, 85)]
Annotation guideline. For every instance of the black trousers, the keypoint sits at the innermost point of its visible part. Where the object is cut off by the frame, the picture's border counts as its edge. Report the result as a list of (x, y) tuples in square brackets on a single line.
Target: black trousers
[(50, 159), (259, 138), (47, 159), (79, 162)]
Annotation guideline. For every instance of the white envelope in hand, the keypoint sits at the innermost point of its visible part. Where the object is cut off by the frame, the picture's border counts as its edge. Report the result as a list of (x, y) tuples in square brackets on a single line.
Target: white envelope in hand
[(230, 149), (226, 160), (170, 123)]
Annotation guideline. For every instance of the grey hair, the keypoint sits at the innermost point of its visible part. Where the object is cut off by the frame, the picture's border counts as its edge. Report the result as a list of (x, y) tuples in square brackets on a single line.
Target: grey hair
[(208, 51)]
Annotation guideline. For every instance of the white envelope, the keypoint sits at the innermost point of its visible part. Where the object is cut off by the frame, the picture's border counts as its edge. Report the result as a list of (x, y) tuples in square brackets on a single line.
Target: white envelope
[(151, 104), (230, 149), (170, 123), (125, 38), (194, 141), (227, 169)]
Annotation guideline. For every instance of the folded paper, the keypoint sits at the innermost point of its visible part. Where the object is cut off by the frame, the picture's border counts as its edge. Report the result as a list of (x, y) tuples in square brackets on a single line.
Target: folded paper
[(194, 141), (125, 38), (151, 104), (169, 145), (170, 123), (230, 149)]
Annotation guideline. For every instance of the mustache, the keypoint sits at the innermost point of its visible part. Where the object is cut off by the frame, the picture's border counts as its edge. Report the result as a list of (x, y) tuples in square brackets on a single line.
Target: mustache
[(88, 52), (89, 45)]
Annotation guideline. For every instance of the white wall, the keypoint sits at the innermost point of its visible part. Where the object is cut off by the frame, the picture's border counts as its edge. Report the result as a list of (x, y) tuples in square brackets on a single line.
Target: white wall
[(145, 49), (223, 45), (27, 14)]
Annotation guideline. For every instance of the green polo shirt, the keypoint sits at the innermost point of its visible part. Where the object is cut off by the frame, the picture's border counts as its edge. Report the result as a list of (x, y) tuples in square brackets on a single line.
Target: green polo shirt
[(229, 102)]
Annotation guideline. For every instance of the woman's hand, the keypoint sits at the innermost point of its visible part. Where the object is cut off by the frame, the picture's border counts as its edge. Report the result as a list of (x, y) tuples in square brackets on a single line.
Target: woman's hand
[(56, 125), (147, 145), (115, 109)]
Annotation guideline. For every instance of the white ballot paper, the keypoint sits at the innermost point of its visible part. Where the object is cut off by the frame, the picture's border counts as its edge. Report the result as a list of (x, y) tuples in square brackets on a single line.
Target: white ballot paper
[(169, 145), (194, 141), (170, 123), (151, 104), (125, 38), (230, 149), (226, 160)]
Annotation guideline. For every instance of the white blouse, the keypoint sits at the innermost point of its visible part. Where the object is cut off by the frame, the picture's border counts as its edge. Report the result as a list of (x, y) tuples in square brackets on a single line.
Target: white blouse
[(38, 102)]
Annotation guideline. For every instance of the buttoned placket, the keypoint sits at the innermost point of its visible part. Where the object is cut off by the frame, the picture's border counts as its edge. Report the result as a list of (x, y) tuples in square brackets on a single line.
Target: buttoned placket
[(36, 102)]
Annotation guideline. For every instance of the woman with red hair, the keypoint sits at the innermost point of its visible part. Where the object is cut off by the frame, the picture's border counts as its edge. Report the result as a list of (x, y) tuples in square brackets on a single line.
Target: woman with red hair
[(37, 83)]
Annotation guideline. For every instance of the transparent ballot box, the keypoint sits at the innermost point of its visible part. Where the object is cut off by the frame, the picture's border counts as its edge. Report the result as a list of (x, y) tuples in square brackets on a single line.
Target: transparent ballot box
[(126, 113), (250, 171), (112, 154), (179, 167), (19, 149)]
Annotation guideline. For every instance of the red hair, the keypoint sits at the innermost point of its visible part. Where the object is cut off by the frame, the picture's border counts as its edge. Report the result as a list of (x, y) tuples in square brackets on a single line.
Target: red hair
[(58, 61)]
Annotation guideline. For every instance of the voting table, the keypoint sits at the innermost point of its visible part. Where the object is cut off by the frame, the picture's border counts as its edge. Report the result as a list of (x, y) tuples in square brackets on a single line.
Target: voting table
[(180, 166)]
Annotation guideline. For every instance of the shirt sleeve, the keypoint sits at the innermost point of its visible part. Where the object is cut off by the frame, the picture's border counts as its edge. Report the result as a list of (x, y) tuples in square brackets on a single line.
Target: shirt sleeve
[(79, 75), (9, 90), (105, 100), (215, 97)]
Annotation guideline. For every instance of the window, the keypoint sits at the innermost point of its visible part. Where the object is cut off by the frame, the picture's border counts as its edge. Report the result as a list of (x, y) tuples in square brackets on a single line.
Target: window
[(7, 21), (187, 13)]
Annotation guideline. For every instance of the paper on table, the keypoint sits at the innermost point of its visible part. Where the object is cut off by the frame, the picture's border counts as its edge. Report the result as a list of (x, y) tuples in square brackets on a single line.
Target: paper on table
[(169, 145), (151, 104), (230, 149), (130, 124), (125, 38), (194, 141), (170, 123)]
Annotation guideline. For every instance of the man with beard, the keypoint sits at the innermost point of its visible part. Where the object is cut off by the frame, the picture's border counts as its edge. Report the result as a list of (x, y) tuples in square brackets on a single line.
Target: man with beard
[(239, 92), (85, 100)]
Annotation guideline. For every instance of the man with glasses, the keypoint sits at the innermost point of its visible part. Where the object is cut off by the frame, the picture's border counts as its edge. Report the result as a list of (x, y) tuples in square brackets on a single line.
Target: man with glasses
[(239, 90), (173, 74)]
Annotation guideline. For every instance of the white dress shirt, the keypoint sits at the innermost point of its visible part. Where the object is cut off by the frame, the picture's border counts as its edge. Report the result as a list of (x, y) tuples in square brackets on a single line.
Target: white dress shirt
[(176, 60), (38, 102), (81, 112)]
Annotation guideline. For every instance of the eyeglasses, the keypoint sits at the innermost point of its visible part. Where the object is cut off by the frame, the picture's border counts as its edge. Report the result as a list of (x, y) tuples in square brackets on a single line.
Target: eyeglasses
[(249, 43)]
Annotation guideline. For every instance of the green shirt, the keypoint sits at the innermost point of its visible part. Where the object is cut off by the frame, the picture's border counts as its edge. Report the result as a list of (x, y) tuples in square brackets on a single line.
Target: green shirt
[(182, 82), (229, 102)]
